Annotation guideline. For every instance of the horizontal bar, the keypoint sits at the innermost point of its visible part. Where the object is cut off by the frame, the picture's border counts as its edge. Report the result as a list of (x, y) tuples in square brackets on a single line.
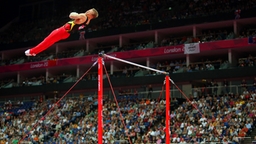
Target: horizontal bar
[(138, 65)]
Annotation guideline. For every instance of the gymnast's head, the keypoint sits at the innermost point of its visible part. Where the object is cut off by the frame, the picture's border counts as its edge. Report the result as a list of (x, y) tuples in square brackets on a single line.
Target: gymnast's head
[(92, 13)]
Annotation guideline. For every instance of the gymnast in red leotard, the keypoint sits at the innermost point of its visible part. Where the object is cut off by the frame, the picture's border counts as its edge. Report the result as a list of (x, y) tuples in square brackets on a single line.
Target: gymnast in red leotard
[(64, 31)]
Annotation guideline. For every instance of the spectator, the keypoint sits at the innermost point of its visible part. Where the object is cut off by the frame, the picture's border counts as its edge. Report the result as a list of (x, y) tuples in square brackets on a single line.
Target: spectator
[(225, 86), (215, 88), (81, 32), (243, 85), (254, 83), (237, 14), (150, 91)]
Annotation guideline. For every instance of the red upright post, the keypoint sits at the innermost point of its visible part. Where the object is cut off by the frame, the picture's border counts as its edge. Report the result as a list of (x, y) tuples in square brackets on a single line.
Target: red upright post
[(167, 99), (100, 99)]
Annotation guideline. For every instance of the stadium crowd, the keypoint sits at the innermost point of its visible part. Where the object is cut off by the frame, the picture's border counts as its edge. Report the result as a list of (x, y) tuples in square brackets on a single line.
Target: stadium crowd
[(207, 117)]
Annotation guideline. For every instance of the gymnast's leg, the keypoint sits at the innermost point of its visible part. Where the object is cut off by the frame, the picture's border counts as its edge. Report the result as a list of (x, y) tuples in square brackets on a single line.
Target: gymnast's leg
[(55, 36)]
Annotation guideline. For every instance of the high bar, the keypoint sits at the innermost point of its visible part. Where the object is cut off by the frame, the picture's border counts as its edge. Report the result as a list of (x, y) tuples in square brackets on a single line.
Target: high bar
[(131, 63)]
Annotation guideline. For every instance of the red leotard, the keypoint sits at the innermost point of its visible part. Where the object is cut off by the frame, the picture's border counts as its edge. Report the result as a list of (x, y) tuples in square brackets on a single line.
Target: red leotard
[(55, 36)]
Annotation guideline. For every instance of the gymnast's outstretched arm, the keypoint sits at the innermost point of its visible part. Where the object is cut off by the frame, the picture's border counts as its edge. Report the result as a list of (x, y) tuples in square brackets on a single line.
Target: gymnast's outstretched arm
[(79, 18), (73, 15)]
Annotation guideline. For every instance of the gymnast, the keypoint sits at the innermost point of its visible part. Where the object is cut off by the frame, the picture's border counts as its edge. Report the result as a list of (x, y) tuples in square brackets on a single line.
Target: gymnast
[(63, 32)]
